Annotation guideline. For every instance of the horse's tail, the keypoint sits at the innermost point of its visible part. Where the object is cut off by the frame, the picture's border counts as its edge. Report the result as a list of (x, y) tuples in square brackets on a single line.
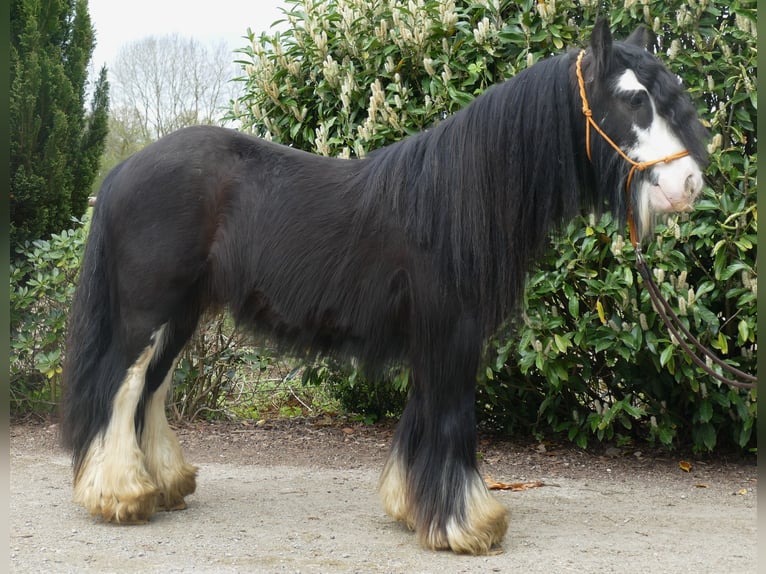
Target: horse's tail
[(90, 368)]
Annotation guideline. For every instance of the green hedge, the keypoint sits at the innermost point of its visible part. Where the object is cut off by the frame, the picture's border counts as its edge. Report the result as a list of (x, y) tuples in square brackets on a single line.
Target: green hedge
[(42, 282), (589, 358)]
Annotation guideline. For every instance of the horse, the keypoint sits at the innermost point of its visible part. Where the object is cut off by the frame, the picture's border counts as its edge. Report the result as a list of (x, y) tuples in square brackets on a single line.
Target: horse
[(413, 255)]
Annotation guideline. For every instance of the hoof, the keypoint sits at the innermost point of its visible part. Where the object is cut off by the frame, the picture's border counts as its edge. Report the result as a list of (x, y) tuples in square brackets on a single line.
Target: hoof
[(118, 491), (480, 532), (126, 510), (182, 484), (171, 505), (392, 489), (477, 526)]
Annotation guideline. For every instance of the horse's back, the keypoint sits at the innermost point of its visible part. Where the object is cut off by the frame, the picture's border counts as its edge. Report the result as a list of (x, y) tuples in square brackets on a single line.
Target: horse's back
[(280, 236), (198, 178)]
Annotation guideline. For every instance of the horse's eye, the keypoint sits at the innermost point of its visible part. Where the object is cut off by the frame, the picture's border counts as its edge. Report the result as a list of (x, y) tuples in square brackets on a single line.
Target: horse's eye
[(637, 99)]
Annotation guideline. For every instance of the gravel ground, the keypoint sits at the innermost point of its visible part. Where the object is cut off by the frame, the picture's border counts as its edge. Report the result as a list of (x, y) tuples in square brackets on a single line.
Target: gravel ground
[(299, 496)]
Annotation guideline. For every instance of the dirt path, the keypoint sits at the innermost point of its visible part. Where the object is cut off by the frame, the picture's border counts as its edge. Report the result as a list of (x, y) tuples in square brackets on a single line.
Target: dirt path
[(300, 497)]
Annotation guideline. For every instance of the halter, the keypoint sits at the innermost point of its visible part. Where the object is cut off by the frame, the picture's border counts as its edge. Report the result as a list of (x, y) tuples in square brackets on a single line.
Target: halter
[(637, 165)]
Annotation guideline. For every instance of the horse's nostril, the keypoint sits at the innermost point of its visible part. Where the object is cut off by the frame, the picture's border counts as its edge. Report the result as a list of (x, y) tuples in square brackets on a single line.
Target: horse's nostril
[(690, 185)]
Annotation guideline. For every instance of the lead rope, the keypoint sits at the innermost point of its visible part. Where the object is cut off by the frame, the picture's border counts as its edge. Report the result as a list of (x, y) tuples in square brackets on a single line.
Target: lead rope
[(661, 305)]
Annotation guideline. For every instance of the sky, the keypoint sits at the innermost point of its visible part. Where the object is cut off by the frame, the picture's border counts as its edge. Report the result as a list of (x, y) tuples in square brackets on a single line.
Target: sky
[(209, 22)]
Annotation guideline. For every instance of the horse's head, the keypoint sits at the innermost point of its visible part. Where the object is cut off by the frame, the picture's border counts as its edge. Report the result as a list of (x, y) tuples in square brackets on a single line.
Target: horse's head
[(641, 106)]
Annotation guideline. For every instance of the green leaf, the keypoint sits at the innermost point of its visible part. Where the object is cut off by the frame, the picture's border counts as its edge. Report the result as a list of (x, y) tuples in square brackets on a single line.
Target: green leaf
[(666, 355), (744, 436), (294, 129), (632, 410), (707, 436), (734, 268), (666, 435), (705, 411), (574, 306), (562, 343), (743, 331), (723, 343)]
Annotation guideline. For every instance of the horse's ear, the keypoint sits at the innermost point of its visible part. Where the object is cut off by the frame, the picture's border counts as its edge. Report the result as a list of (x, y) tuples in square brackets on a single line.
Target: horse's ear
[(642, 37), (601, 47)]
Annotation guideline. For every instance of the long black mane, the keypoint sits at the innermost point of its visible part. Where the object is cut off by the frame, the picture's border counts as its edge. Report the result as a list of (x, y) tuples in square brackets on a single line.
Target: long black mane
[(484, 188), (453, 214)]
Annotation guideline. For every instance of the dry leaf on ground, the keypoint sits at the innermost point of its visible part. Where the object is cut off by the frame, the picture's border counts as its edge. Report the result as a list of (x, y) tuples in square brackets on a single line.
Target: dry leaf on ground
[(512, 486)]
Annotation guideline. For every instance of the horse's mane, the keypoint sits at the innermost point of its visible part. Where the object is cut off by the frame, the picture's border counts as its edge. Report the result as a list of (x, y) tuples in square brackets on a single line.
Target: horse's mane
[(483, 189)]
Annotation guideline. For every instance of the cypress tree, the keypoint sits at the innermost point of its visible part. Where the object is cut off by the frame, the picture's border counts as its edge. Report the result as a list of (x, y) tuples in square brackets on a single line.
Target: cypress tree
[(55, 143)]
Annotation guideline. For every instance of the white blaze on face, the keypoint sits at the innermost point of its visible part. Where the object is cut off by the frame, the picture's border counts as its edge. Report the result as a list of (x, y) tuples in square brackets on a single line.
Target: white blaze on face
[(672, 186)]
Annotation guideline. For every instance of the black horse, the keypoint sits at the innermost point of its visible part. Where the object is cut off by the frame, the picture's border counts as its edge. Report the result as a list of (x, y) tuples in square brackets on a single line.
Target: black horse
[(413, 255)]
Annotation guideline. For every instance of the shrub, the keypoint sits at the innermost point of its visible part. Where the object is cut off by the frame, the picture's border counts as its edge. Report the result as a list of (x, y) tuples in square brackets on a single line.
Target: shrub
[(222, 374), (42, 280), (371, 399), (210, 365), (589, 358)]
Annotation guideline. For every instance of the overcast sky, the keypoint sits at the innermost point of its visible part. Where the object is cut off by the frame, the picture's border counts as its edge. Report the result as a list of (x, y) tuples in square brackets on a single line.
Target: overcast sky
[(118, 23)]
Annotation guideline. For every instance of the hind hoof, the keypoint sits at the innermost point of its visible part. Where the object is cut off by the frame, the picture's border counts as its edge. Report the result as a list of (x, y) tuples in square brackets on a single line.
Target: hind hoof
[(184, 482), (128, 511)]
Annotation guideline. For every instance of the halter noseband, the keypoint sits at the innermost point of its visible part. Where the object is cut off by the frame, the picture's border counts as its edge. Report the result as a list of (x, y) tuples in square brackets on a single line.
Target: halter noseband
[(637, 165)]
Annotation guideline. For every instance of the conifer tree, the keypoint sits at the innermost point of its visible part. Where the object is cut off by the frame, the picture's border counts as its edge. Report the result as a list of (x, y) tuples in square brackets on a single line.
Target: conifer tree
[(55, 142)]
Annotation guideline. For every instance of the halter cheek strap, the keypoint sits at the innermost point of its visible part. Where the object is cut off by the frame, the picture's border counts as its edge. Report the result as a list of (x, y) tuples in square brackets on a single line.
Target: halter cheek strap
[(637, 165)]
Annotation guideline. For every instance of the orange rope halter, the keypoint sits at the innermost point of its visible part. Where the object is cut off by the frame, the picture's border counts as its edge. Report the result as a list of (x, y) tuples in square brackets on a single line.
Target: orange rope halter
[(637, 165)]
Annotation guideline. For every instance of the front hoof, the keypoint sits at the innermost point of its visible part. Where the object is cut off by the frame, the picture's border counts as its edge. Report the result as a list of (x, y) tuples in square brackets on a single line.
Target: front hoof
[(479, 532)]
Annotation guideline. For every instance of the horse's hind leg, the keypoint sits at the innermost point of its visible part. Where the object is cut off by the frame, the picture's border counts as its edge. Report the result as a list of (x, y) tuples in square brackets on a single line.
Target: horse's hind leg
[(173, 476), (136, 465), (111, 479)]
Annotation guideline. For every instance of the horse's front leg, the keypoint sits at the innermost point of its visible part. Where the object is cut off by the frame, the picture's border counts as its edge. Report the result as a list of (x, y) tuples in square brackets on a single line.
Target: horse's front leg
[(431, 480)]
